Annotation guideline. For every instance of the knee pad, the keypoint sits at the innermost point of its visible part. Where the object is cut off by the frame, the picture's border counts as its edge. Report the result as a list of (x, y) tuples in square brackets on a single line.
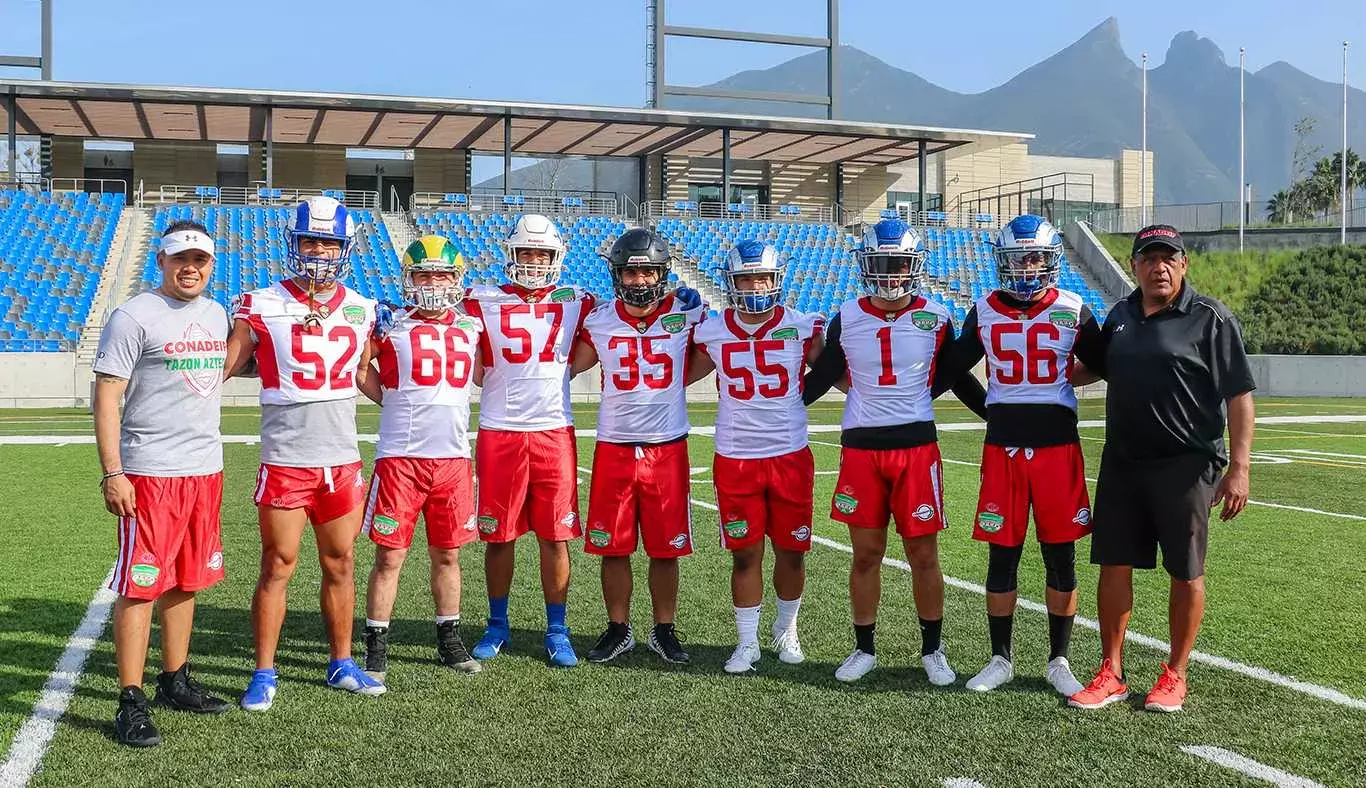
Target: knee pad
[(1060, 566), (1003, 564)]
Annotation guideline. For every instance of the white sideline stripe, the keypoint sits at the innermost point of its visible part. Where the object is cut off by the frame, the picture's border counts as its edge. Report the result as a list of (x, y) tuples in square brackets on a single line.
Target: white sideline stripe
[(961, 782), (1239, 763), (35, 734)]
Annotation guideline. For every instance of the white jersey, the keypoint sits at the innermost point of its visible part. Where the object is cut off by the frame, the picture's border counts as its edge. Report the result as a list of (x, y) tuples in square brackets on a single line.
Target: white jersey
[(527, 343), (644, 370), (1029, 352), (890, 356), (759, 380), (426, 366), (308, 373)]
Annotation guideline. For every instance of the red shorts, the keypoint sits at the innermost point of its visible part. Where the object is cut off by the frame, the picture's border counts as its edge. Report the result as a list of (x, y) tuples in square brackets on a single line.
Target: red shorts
[(639, 490), (772, 495), (878, 485), (528, 481), (1052, 478), (401, 488), (324, 493), (174, 539)]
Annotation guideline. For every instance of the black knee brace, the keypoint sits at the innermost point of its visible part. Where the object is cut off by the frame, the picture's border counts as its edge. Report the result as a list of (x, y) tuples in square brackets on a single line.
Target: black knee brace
[(1060, 566), (1002, 565)]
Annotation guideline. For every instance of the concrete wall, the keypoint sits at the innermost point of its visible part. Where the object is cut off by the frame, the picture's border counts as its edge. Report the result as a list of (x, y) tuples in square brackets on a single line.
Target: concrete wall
[(1102, 171), (1092, 256), (1310, 376), (1270, 238), (1129, 177), (439, 171), (967, 169), (42, 380), (865, 187), (159, 164), (306, 167), (68, 157)]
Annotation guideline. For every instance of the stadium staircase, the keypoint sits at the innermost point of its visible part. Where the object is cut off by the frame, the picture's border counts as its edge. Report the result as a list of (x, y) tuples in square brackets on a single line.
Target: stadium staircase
[(402, 232), (120, 278)]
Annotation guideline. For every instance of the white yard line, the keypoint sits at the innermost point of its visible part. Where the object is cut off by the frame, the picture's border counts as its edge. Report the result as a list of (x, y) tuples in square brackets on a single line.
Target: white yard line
[(1244, 765), (961, 782), (35, 734)]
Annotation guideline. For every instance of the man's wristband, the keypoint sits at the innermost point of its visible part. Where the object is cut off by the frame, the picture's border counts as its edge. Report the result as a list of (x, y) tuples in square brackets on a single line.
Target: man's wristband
[(109, 476)]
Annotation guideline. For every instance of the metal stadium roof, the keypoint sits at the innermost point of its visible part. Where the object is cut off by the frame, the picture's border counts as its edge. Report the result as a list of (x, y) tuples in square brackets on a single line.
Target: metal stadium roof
[(137, 112)]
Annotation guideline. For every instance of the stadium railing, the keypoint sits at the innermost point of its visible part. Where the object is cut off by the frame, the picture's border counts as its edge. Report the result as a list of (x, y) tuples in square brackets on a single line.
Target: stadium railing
[(744, 211), (572, 204), (255, 195), (1210, 216), (872, 215)]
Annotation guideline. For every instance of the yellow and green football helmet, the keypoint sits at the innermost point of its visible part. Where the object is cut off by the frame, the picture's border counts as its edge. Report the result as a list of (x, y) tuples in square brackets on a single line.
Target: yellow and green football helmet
[(433, 253)]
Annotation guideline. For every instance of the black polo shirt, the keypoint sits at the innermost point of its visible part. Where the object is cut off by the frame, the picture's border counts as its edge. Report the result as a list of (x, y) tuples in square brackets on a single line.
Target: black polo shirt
[(1170, 375)]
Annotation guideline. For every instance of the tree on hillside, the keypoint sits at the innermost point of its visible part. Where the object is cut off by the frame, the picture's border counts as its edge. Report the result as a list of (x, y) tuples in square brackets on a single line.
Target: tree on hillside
[(1319, 192), (1315, 304)]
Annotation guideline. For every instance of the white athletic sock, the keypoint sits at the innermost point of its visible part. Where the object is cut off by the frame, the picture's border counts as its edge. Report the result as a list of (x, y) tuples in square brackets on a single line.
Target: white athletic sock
[(787, 614), (370, 622), (747, 623), (444, 619)]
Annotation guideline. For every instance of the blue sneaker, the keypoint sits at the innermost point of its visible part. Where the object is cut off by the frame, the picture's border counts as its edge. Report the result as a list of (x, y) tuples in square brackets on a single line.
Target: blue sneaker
[(559, 649), (260, 692), (345, 674), (494, 640)]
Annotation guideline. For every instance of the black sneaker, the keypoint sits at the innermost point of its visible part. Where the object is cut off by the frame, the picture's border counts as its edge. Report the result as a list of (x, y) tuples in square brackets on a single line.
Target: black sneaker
[(617, 640), (133, 723), (178, 690), (377, 652), (664, 642), (450, 649)]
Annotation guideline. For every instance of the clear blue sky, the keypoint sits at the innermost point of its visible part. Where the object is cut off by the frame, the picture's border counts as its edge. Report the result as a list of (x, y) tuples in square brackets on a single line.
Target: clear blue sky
[(592, 51)]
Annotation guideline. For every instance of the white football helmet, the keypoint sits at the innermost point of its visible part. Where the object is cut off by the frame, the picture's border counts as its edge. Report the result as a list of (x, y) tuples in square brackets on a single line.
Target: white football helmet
[(533, 231)]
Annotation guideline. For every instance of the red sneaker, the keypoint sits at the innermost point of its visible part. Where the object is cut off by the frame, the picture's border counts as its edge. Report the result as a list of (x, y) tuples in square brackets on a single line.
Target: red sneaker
[(1169, 693), (1104, 689)]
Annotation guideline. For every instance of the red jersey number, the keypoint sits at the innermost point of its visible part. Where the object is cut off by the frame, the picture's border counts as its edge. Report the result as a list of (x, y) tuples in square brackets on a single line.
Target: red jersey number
[(743, 385), (437, 356), (339, 377), (632, 351), (521, 334), (1037, 365)]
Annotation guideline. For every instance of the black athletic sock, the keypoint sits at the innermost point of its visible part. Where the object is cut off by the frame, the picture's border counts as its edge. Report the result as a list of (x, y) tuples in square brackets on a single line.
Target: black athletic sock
[(1059, 635), (930, 632), (863, 637), (1000, 627)]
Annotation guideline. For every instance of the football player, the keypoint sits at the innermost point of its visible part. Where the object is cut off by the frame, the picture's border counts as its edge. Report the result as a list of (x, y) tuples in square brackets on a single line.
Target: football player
[(308, 334), (890, 344), (639, 490), (763, 470), (1029, 329), (526, 461), (427, 363)]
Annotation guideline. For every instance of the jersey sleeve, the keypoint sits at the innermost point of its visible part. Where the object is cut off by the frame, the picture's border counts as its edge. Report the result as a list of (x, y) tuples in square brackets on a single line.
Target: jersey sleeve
[(242, 307), (829, 368), (120, 346), (475, 309), (1232, 373), (1091, 342)]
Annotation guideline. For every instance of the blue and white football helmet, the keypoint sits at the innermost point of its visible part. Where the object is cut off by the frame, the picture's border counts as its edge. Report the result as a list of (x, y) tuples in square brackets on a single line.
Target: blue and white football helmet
[(753, 257), (1028, 254), (891, 259), (320, 217)]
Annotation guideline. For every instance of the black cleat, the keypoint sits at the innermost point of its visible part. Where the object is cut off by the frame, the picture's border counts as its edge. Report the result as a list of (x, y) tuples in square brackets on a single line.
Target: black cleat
[(377, 652), (178, 690), (617, 640), (450, 649), (133, 723), (664, 642)]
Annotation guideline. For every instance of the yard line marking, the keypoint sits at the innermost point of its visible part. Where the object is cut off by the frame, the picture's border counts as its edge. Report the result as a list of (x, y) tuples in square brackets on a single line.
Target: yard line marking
[(1316, 453), (961, 782), (1240, 763), (35, 734)]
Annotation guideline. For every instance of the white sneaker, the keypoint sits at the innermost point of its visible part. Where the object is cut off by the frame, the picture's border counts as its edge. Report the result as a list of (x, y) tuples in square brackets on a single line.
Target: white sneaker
[(1060, 676), (997, 672), (743, 658), (856, 666), (787, 645), (937, 668)]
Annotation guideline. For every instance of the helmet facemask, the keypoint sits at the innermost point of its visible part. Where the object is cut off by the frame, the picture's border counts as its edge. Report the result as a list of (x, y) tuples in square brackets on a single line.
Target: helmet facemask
[(891, 276), (319, 271), (1025, 272), (433, 297), (752, 300), (534, 275), (641, 296)]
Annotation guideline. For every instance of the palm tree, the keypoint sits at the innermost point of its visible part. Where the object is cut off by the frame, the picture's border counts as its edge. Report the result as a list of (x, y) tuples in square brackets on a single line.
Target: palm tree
[(1279, 209)]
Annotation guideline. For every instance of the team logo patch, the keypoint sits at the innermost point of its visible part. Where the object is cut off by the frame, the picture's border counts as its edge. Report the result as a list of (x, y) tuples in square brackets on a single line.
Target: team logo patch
[(466, 324), (385, 525), (198, 356), (924, 513), (679, 542), (215, 561), (802, 534), (845, 504), (1063, 317), (561, 295), (924, 320), (673, 323), (1083, 516), (737, 529), (469, 524), (144, 574), (990, 522), (487, 524), (784, 333), (570, 519), (355, 315), (599, 538)]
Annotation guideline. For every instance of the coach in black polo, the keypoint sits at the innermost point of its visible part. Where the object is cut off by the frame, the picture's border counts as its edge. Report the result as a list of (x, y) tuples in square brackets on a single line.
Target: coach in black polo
[(1175, 364)]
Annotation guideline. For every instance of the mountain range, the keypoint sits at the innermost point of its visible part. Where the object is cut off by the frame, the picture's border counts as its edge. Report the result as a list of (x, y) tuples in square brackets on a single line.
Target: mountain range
[(1085, 101)]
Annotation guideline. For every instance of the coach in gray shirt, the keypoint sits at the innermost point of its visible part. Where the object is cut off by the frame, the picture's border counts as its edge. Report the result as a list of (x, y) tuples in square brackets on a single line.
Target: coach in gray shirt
[(1177, 371), (162, 353)]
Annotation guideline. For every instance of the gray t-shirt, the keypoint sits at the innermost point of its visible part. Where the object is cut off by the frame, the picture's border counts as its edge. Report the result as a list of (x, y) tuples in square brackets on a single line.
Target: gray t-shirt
[(171, 353)]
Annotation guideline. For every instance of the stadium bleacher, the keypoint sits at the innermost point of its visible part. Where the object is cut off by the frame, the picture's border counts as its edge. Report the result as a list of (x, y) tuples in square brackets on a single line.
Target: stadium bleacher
[(52, 247)]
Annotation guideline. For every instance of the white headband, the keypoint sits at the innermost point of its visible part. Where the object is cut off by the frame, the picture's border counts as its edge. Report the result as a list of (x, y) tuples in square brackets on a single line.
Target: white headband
[(184, 240)]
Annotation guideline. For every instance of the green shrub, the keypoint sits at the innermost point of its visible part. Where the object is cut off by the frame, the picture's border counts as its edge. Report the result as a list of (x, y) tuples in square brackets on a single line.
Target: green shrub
[(1315, 304)]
